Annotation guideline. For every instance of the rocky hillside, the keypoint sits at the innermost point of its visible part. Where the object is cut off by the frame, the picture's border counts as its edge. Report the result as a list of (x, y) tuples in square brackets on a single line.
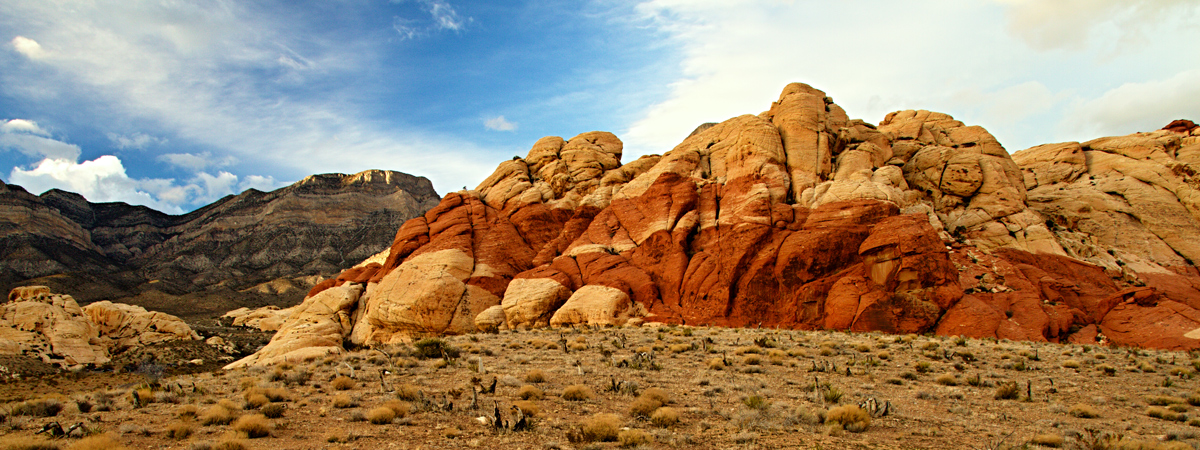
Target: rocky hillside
[(800, 217), (254, 248)]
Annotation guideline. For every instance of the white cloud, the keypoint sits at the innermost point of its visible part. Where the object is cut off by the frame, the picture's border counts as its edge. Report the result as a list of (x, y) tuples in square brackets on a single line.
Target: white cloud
[(1134, 107), (443, 17), (262, 183), (100, 180), (498, 123), (23, 126), (28, 47), (196, 69), (1072, 24), (196, 161), (136, 141), (27, 137)]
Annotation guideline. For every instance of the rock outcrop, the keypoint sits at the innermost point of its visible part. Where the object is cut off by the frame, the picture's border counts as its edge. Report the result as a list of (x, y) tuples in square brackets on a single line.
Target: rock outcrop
[(252, 249), (35, 321), (801, 217)]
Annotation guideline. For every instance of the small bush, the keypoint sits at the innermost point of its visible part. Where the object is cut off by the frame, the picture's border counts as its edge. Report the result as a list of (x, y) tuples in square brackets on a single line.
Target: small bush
[(851, 418), (535, 376), (408, 392), (434, 348), (180, 430), (343, 383), (1047, 440), (665, 417), (344, 401), (230, 444), (601, 428), (1007, 391), (273, 410), (756, 402), (1083, 411), (922, 367), (401, 408), (1164, 400), (98, 442), (947, 379), (644, 406), (716, 364), (1071, 364), (832, 395), (751, 360), (253, 426), (632, 438), (1159, 412), (256, 401), (527, 408), (381, 415), (216, 415), (46, 407), (577, 393), (529, 392)]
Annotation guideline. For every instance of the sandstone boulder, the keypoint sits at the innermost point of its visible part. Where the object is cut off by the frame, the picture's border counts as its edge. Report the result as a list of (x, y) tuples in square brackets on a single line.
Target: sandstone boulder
[(315, 328)]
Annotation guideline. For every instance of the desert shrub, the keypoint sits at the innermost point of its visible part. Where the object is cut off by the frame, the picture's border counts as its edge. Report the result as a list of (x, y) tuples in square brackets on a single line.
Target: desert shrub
[(751, 360), (632, 438), (1107, 369), (272, 394), (1047, 440), (408, 392), (716, 364), (643, 406), (187, 411), (401, 408), (1164, 400), (434, 348), (601, 428), (883, 355), (658, 394), (947, 379), (216, 415), (535, 376), (229, 404), (180, 430), (1178, 407), (850, 417), (529, 392), (256, 401), (1083, 411), (381, 415), (273, 410), (832, 395), (922, 367), (343, 383), (680, 348), (344, 401), (577, 393), (1007, 391), (665, 417), (1071, 364), (528, 408), (974, 380), (253, 425), (230, 444), (1159, 412), (97, 442), (45, 407)]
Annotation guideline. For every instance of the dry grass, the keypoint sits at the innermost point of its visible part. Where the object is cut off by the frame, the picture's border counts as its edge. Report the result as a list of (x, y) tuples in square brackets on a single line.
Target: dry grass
[(1084, 411), (577, 393), (343, 383), (632, 438), (344, 401), (1007, 391), (180, 430), (528, 408), (273, 410), (381, 415), (850, 417), (216, 415), (535, 376), (98, 442), (1047, 440), (601, 428), (665, 417), (401, 408), (253, 426), (529, 392)]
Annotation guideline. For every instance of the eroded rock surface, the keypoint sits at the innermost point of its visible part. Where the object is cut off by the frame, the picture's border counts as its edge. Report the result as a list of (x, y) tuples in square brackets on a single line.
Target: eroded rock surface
[(801, 217)]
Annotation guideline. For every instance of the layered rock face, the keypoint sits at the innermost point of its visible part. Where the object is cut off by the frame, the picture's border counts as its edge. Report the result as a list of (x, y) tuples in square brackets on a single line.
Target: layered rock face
[(35, 321), (800, 217), (254, 248)]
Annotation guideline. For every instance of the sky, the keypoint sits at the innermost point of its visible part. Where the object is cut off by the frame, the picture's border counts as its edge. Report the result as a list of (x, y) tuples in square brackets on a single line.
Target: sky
[(174, 104)]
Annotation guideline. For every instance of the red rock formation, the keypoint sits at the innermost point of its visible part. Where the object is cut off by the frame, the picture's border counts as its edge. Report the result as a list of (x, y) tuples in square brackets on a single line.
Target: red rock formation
[(802, 218), (1183, 126)]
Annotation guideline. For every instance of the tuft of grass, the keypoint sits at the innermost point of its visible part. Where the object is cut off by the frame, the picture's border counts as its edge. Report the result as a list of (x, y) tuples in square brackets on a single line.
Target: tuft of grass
[(947, 379), (1164, 400), (408, 392), (97, 442), (577, 393), (850, 417), (1071, 364), (530, 409), (216, 415), (756, 402), (632, 438), (601, 428), (253, 426), (180, 430), (1047, 440), (343, 383), (535, 376), (657, 394), (1159, 412), (381, 415), (230, 444), (401, 408), (1007, 391), (1084, 411), (716, 364), (344, 401), (273, 410), (665, 417), (832, 395), (256, 401), (643, 406), (529, 392)]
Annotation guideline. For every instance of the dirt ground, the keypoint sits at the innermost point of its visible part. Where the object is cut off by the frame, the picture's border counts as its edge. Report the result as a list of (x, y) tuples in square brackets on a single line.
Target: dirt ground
[(730, 388)]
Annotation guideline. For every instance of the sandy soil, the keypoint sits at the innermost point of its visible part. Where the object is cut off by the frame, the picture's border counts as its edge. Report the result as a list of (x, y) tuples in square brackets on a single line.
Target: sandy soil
[(774, 393)]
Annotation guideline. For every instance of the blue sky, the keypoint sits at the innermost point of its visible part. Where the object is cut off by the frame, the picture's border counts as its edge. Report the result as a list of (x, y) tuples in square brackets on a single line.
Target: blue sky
[(174, 104)]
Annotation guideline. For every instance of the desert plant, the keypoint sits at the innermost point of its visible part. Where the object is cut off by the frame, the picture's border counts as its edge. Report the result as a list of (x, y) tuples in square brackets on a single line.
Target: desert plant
[(408, 392), (1047, 440), (1007, 391), (399, 407), (577, 393), (45, 407), (644, 406), (535, 376), (1164, 400), (632, 438), (216, 415), (832, 395), (230, 444), (1071, 364), (97, 442), (434, 348), (381, 415), (256, 401), (1083, 411), (850, 417), (528, 408), (273, 410), (601, 428), (253, 426), (529, 392), (665, 417), (343, 383), (716, 364), (947, 379), (344, 401), (756, 402)]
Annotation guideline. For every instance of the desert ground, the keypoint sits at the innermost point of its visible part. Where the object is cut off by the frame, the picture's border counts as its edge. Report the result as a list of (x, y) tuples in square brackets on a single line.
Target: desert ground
[(635, 387)]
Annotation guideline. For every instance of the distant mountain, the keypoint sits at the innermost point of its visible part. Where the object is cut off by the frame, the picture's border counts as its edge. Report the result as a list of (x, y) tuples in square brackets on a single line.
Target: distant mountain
[(250, 249)]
